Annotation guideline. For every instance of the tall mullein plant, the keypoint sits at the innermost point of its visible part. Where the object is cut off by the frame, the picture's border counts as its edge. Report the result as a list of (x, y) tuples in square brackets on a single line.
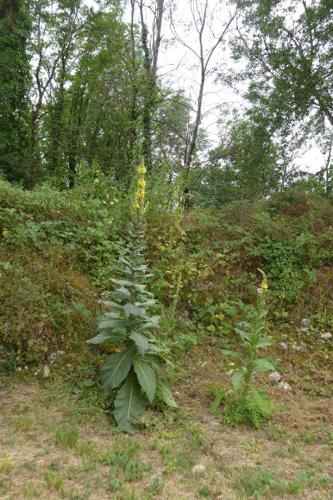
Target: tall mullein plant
[(135, 371), (253, 339)]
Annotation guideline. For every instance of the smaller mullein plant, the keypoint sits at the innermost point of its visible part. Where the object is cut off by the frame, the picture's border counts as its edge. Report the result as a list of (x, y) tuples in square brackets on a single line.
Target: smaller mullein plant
[(135, 370), (248, 404)]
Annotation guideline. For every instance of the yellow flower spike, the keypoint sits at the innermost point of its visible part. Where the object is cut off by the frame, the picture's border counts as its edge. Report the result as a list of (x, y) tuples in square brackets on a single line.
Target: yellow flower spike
[(264, 283), (139, 196)]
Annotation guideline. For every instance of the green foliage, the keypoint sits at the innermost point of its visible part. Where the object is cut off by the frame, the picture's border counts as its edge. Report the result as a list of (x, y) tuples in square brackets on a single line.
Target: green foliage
[(14, 87), (254, 482), (244, 166), (56, 247), (66, 436), (288, 62), (288, 235), (248, 405), (128, 324)]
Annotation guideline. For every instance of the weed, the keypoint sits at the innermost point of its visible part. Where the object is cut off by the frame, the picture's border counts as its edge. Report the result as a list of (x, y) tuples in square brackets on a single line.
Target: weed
[(29, 465), (255, 481), (86, 449), (29, 492), (134, 470), (204, 491), (114, 485), (53, 480), (156, 486), (6, 465), (309, 437), (22, 424), (248, 405), (122, 452), (307, 478), (66, 436)]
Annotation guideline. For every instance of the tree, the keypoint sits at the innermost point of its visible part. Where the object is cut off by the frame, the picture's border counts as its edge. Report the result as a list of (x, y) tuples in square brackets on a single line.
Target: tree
[(151, 49), (14, 88), (202, 20), (244, 166), (69, 22), (288, 47)]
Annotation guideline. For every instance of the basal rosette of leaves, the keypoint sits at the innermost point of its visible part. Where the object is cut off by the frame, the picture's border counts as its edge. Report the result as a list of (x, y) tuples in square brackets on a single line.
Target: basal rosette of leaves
[(136, 369)]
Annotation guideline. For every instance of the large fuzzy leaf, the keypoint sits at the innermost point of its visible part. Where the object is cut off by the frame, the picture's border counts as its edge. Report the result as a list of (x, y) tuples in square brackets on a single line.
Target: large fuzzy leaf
[(133, 310), (140, 341), (107, 324), (111, 305), (107, 337), (263, 365), (122, 283), (237, 379), (116, 369), (264, 342), (146, 377), (129, 404), (121, 293), (165, 394)]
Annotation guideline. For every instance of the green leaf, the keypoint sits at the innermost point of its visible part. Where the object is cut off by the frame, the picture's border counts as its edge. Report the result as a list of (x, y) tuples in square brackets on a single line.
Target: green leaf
[(245, 336), (133, 310), (129, 404), (153, 322), (146, 303), (111, 305), (116, 369), (107, 324), (107, 337), (262, 402), (146, 377), (122, 283), (237, 379), (264, 342), (263, 365), (164, 393), (122, 292), (231, 354), (140, 341), (155, 361)]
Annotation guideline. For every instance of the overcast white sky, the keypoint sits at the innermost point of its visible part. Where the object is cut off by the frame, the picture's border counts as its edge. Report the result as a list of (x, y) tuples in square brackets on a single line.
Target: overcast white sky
[(178, 68)]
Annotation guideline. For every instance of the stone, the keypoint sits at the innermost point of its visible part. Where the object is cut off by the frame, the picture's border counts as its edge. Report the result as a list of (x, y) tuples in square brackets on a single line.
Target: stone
[(305, 324), (326, 336), (284, 386), (199, 469), (275, 376), (284, 346)]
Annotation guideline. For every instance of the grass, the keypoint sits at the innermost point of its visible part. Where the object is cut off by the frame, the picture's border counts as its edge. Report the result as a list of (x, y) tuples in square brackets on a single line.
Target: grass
[(66, 436), (61, 448), (254, 482), (6, 466)]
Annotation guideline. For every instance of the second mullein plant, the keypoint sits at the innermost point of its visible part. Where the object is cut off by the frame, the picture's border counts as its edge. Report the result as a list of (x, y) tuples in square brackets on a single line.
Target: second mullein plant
[(136, 369), (248, 404)]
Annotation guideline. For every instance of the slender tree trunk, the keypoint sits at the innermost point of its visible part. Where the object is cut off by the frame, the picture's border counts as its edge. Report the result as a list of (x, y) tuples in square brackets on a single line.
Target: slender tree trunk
[(57, 124), (147, 96), (34, 157)]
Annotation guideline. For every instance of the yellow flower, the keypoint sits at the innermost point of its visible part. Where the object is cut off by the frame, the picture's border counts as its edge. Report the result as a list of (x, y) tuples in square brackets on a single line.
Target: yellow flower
[(264, 283), (139, 197), (142, 170)]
